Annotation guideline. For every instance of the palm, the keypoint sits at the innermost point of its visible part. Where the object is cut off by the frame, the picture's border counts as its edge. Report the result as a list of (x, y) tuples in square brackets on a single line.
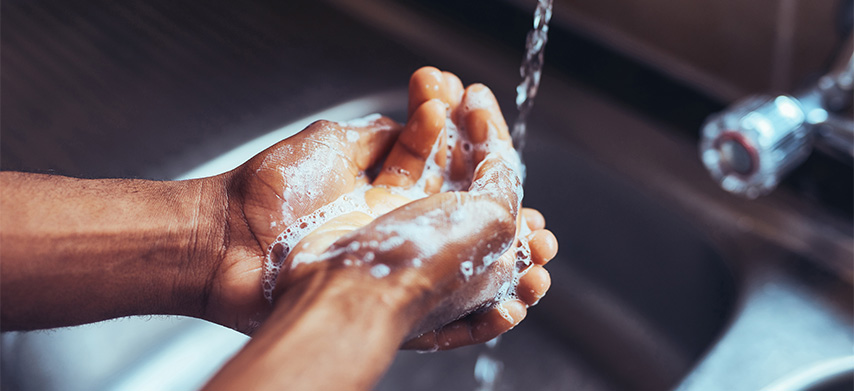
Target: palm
[(272, 191)]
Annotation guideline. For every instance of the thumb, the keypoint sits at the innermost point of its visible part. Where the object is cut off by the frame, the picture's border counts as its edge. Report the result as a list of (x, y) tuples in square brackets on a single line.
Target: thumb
[(368, 140)]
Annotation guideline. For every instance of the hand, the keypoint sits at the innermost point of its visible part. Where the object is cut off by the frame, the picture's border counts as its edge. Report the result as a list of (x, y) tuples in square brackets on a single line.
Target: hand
[(386, 268), (298, 176), (272, 191), (444, 248)]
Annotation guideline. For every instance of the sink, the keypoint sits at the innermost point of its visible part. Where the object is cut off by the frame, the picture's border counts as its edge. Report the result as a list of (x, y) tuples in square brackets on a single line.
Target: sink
[(637, 295)]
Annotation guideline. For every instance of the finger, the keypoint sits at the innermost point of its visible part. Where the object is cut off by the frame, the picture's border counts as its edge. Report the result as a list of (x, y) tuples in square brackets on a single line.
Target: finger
[(382, 201), (473, 329), (483, 131), (324, 161), (320, 238), (363, 142), (543, 246), (482, 116), (492, 323), (316, 166), (533, 285), (496, 180), (425, 342), (430, 83), (534, 219), (417, 144), (368, 140)]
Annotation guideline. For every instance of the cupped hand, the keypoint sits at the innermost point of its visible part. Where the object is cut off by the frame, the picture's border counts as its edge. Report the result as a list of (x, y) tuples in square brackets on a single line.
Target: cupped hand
[(274, 190), (465, 253)]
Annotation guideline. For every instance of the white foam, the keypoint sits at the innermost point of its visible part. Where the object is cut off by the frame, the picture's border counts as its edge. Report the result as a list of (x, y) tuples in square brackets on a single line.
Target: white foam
[(467, 269), (503, 311), (294, 233), (455, 137), (423, 229), (380, 270), (352, 136), (479, 99), (391, 243), (360, 122)]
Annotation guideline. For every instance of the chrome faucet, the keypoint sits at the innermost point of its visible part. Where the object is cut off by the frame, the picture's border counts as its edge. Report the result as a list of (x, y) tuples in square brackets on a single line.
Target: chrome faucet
[(751, 145)]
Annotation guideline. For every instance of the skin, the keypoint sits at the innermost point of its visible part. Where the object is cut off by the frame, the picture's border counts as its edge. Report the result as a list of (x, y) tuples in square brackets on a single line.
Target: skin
[(75, 251), (434, 95)]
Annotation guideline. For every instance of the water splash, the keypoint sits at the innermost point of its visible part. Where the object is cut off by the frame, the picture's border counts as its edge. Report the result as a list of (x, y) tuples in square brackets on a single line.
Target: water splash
[(531, 70)]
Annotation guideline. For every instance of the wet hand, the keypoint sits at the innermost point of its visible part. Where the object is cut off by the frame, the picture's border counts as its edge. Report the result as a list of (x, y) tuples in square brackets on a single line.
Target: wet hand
[(467, 251), (275, 189)]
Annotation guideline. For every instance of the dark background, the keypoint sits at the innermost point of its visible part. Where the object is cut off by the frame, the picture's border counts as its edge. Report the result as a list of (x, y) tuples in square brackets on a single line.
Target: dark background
[(149, 89), (152, 88)]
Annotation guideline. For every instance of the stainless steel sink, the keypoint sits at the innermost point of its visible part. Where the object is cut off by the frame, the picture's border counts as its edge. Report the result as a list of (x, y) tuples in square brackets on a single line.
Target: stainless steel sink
[(637, 296), (638, 293)]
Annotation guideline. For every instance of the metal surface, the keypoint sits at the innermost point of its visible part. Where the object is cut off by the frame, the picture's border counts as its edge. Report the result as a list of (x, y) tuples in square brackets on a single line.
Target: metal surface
[(771, 135), (774, 134), (836, 372)]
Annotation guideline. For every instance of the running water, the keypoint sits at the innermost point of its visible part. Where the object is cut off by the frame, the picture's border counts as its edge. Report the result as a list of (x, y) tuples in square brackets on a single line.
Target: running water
[(488, 367), (531, 70)]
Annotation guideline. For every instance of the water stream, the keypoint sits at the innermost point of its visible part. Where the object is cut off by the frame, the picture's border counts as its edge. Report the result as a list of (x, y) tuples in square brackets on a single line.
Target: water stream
[(531, 70), (488, 367)]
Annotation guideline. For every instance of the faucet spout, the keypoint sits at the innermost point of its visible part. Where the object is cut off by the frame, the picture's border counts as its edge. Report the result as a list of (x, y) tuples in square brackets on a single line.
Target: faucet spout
[(749, 147)]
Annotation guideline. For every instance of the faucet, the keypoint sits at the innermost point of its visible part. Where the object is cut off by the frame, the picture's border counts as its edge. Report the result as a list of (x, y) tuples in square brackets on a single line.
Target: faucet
[(750, 146)]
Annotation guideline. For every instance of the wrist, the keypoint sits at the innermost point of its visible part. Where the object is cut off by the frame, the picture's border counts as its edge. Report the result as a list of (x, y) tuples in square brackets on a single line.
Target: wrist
[(397, 295), (204, 206), (336, 317)]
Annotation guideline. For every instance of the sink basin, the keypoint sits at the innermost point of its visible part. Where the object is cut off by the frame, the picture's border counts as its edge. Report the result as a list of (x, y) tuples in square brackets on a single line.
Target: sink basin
[(637, 296)]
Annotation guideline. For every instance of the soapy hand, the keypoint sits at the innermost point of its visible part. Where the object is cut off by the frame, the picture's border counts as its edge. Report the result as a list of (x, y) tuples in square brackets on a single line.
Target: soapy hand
[(463, 250), (462, 247), (274, 190)]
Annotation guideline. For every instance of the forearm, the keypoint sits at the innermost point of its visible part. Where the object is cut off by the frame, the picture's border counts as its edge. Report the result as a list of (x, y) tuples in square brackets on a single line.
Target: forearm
[(326, 333), (75, 251)]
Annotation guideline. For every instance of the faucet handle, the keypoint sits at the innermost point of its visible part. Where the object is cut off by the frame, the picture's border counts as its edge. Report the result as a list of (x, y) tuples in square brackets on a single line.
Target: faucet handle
[(752, 145)]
